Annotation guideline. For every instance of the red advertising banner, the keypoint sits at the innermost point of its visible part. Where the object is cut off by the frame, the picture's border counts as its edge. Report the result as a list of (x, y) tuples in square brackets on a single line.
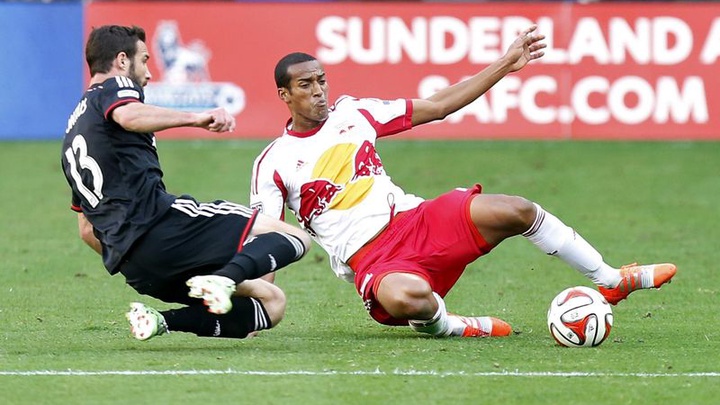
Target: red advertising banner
[(611, 71)]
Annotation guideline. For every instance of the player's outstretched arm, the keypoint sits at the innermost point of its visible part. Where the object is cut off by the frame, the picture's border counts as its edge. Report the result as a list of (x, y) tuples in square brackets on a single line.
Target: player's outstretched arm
[(140, 117), (526, 47)]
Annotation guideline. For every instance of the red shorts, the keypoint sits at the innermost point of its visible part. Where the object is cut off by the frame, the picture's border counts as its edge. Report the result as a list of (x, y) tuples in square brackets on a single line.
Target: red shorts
[(436, 241)]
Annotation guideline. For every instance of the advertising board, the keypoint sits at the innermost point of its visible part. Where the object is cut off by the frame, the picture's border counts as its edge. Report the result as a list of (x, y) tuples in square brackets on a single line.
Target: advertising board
[(628, 70)]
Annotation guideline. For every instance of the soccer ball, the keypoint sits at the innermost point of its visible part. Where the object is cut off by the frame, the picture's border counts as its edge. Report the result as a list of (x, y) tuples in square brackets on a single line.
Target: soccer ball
[(579, 317)]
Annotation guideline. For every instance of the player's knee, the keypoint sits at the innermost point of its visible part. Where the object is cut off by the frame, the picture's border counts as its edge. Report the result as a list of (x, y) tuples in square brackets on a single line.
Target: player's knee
[(270, 296), (525, 212), (264, 224), (516, 214), (406, 296), (304, 238), (274, 301)]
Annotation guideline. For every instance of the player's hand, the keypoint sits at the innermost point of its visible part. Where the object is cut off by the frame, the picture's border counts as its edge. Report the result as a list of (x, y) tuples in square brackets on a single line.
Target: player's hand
[(217, 120), (526, 47)]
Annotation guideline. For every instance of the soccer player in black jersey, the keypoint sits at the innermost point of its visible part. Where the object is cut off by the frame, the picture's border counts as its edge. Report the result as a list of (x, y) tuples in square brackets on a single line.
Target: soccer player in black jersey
[(207, 256)]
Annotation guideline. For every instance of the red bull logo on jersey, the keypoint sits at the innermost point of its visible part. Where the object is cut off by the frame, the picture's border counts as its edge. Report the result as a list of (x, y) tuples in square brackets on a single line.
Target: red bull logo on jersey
[(367, 161), (341, 179), (315, 198)]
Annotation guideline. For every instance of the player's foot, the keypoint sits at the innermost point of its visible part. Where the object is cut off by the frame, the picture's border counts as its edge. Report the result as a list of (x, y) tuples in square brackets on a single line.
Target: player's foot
[(145, 322), (483, 326), (636, 277), (214, 290)]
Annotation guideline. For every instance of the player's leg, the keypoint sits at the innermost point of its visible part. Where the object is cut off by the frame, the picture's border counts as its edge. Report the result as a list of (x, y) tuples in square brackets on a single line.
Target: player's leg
[(265, 224), (256, 305), (267, 245), (403, 274), (197, 240), (409, 296), (270, 246), (259, 256), (498, 217), (269, 295), (247, 315)]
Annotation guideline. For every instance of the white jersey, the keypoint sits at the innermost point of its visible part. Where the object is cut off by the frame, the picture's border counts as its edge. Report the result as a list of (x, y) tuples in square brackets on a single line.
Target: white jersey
[(332, 178)]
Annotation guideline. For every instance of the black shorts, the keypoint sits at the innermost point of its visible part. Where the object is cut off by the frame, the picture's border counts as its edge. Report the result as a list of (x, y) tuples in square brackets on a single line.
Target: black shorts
[(191, 239)]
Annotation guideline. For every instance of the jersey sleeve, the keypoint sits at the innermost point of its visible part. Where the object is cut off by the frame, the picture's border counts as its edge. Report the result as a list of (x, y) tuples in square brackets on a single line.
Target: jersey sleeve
[(75, 202), (388, 117), (118, 91), (267, 189)]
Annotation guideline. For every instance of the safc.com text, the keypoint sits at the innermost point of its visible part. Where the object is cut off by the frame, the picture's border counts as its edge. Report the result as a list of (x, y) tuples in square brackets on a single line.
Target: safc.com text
[(649, 47), (593, 100)]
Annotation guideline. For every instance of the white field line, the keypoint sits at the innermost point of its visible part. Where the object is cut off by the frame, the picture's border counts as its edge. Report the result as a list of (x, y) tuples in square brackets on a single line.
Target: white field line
[(80, 373)]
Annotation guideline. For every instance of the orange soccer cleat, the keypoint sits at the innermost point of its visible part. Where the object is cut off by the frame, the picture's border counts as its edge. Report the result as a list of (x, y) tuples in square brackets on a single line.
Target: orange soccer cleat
[(636, 277), (483, 326)]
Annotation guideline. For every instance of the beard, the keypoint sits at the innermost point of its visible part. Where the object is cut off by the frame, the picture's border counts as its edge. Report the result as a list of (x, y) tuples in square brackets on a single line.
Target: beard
[(135, 77)]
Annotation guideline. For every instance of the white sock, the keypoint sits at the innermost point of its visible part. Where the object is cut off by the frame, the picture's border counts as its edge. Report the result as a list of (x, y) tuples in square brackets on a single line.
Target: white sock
[(438, 325), (555, 238)]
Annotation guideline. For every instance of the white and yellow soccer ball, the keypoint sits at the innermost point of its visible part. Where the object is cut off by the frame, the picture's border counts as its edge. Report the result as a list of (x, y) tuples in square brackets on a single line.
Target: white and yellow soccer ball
[(579, 317)]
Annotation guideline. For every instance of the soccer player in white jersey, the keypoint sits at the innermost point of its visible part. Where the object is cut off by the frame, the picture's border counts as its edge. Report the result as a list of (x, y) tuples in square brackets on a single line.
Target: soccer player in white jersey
[(403, 253)]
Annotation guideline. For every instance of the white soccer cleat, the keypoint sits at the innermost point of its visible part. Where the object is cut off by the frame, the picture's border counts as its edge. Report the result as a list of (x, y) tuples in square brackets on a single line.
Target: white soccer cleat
[(145, 322), (215, 291)]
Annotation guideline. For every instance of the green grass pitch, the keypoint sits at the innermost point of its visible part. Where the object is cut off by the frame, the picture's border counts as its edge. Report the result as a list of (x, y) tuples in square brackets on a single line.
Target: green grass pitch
[(64, 339)]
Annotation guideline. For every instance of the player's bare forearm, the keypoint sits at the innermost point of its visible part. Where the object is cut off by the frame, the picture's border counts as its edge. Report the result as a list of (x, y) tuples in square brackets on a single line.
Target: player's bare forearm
[(526, 47), (87, 235), (451, 99), (94, 244), (139, 117)]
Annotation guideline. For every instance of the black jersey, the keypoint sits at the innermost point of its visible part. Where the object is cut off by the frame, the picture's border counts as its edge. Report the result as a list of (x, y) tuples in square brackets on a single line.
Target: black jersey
[(115, 174)]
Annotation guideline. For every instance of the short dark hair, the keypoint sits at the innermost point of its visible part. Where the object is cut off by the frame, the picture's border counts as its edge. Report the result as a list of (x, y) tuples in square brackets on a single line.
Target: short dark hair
[(106, 42), (282, 79)]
